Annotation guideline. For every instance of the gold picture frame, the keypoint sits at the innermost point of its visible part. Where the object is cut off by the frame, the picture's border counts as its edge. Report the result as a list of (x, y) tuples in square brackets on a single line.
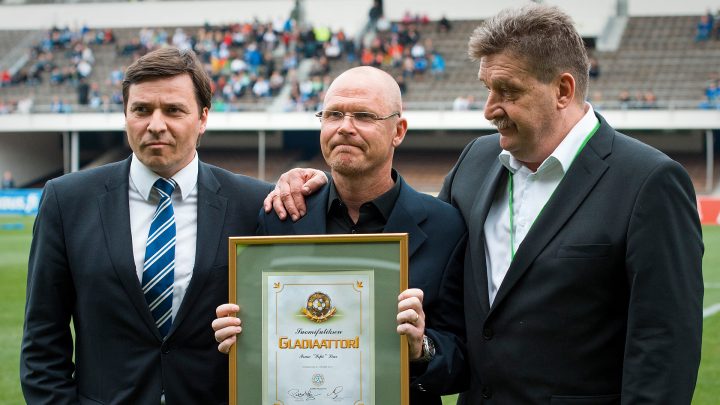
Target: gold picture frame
[(319, 319)]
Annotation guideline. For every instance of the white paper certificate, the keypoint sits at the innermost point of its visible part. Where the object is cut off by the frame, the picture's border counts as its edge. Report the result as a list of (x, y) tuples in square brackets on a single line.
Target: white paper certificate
[(318, 338)]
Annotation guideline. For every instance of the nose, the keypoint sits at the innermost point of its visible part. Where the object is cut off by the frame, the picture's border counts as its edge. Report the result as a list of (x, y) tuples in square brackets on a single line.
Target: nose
[(347, 124), (492, 107), (157, 122)]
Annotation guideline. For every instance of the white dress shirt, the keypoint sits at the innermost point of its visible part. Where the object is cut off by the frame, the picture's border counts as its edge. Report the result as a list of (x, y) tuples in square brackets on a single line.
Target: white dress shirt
[(531, 191), (143, 202)]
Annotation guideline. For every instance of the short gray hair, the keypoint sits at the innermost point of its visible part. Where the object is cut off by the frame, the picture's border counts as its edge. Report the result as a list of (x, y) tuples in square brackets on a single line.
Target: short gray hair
[(541, 35)]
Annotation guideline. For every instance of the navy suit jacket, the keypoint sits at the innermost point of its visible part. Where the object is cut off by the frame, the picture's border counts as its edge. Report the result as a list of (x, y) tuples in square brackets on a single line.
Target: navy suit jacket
[(602, 303), (82, 269), (436, 233)]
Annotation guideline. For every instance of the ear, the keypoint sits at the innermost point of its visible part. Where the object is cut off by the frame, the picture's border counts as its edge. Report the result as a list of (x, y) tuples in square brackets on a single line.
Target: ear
[(565, 90), (400, 131), (203, 120)]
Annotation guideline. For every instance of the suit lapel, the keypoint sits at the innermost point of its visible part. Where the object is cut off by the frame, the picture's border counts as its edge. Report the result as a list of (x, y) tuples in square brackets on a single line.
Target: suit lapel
[(211, 208), (476, 241), (407, 217), (115, 217), (584, 173)]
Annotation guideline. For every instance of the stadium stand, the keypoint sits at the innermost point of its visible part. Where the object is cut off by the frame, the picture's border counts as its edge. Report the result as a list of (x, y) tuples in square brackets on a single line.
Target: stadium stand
[(657, 54), (659, 64)]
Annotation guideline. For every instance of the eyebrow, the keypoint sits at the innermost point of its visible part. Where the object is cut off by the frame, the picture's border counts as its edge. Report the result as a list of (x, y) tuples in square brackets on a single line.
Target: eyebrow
[(180, 106), (177, 105), (349, 107), (510, 82)]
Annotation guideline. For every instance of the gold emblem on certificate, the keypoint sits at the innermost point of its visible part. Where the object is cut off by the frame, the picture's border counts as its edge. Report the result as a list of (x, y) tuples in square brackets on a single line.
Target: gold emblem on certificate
[(318, 308), (319, 338)]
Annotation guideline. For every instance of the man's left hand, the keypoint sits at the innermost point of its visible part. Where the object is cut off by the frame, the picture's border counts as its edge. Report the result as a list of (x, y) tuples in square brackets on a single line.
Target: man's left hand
[(411, 320)]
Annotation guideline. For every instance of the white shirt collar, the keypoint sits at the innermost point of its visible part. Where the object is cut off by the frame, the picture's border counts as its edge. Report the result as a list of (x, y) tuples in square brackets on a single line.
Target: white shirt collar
[(143, 178), (565, 152)]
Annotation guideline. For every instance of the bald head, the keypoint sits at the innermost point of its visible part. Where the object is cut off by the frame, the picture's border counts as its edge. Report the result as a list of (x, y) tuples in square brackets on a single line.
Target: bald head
[(368, 82), (359, 148)]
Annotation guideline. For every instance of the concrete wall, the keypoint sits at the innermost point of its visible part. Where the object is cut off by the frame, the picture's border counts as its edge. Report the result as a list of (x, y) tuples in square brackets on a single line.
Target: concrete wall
[(20, 153), (658, 120)]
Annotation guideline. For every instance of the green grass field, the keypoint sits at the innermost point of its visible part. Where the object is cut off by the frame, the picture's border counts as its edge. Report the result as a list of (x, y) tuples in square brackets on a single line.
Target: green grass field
[(15, 245)]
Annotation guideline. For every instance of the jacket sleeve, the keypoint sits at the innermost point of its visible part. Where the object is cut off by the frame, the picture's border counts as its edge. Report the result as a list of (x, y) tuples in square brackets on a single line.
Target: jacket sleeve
[(447, 372), (664, 270), (46, 366)]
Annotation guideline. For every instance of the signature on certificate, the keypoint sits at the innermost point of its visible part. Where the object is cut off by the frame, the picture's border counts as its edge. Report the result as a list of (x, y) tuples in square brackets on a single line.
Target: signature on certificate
[(335, 393), (312, 394), (306, 394)]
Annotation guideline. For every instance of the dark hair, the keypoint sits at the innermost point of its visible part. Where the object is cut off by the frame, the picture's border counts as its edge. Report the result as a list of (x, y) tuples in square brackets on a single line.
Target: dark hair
[(169, 62), (543, 36)]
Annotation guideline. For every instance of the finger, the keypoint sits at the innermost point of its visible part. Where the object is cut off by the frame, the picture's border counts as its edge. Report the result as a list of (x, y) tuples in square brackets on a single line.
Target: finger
[(282, 200), (286, 201), (315, 182), (412, 292), (228, 321), (412, 317), (227, 332), (225, 345), (293, 198), (413, 303), (268, 202), (413, 334), (226, 310), (279, 207)]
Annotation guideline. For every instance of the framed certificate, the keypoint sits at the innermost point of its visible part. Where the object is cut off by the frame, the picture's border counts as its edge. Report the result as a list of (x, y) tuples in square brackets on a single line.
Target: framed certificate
[(319, 320)]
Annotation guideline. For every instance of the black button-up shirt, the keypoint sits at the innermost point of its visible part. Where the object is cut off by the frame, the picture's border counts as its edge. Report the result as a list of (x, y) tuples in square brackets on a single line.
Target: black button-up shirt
[(373, 214)]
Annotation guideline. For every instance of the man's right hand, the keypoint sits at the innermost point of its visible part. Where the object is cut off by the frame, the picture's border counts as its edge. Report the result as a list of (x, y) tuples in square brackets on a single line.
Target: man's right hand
[(290, 192), (226, 326)]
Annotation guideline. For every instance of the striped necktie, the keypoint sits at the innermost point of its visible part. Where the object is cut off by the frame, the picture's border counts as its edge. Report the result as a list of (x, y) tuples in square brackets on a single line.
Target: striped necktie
[(158, 270)]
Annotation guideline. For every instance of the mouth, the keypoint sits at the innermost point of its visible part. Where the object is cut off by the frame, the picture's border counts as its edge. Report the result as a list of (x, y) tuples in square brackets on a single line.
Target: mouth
[(156, 144), (345, 147)]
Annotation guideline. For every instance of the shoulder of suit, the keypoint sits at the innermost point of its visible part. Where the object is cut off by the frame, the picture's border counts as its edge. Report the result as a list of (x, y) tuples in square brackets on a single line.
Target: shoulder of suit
[(435, 208), (637, 153), (486, 141), (89, 178), (486, 145)]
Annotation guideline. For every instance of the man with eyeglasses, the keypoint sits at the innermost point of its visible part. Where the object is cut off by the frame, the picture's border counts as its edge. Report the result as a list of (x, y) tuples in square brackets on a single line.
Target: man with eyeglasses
[(361, 126)]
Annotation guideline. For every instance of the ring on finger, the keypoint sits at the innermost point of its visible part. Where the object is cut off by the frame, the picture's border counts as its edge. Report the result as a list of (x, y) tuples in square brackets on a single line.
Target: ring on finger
[(417, 318)]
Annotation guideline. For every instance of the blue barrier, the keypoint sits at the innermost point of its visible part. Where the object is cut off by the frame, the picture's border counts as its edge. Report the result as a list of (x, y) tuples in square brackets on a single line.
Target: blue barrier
[(20, 201)]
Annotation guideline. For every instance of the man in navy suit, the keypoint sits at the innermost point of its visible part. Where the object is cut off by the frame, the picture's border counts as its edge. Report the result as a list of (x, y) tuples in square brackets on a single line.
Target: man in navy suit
[(87, 261), (361, 125)]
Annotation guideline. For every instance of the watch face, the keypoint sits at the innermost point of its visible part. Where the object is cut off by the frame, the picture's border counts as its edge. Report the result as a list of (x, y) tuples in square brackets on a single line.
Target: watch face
[(430, 346), (428, 350)]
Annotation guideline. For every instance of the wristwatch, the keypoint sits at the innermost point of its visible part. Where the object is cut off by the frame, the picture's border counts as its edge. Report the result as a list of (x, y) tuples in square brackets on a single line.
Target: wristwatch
[(428, 350)]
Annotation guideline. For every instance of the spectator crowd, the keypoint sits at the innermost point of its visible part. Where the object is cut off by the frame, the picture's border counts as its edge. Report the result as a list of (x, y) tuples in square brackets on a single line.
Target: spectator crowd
[(254, 64)]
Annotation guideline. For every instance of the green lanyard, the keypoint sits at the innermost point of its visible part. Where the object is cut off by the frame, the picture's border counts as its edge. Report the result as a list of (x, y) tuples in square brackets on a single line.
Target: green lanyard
[(511, 188)]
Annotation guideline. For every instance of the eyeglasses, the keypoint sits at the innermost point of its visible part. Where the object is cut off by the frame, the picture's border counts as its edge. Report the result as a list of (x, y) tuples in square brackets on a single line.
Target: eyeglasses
[(363, 117)]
